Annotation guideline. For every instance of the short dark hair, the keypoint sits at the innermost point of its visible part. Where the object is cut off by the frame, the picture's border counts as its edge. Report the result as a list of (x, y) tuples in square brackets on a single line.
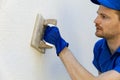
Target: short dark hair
[(118, 13)]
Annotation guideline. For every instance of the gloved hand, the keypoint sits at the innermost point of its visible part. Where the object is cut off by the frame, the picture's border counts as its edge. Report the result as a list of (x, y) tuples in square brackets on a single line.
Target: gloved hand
[(52, 36)]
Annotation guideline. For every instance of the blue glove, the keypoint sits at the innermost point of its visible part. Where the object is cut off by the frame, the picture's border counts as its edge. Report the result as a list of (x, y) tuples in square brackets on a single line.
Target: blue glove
[(52, 36)]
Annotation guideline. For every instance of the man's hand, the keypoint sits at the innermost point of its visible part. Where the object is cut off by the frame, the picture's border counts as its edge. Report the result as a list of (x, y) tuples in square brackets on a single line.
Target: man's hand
[(52, 36)]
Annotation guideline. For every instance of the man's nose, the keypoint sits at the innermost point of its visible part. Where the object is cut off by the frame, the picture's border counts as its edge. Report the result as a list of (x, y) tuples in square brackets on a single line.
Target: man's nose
[(97, 20)]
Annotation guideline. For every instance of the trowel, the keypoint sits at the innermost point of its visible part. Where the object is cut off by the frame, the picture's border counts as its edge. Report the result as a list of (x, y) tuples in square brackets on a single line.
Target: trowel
[(40, 25)]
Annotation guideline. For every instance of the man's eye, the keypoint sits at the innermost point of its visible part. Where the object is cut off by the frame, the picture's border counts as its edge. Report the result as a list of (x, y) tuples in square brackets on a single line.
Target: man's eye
[(104, 16)]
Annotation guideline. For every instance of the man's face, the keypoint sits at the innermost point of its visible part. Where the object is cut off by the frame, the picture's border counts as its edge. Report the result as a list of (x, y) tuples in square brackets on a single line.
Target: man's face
[(107, 23)]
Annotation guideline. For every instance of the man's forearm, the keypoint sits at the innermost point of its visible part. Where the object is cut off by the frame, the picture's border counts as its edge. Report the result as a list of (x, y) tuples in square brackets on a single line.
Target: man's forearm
[(76, 70)]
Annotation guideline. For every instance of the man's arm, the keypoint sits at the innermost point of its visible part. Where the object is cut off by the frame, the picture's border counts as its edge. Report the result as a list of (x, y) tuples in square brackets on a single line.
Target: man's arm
[(74, 68), (78, 72)]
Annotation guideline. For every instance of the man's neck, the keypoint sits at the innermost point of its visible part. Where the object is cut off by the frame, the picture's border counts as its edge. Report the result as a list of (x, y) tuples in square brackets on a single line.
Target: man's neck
[(113, 44)]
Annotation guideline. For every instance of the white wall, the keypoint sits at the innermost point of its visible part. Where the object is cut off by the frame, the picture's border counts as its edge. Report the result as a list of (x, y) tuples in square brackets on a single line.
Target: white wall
[(18, 61)]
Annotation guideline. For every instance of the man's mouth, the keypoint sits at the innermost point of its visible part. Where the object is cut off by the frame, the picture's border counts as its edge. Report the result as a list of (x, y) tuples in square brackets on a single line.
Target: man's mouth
[(98, 27)]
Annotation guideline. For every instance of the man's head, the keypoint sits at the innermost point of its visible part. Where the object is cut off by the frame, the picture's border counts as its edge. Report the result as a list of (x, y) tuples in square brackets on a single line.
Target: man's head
[(112, 4), (108, 19)]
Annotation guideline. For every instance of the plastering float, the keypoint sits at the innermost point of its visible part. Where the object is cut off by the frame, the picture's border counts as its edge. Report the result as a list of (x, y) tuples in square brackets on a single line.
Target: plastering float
[(37, 41)]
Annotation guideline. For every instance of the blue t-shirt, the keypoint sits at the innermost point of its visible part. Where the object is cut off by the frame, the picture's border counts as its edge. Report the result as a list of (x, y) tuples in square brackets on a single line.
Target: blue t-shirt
[(103, 59)]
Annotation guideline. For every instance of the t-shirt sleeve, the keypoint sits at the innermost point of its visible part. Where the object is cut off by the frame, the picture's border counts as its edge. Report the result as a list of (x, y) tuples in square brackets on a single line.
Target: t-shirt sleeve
[(95, 57), (117, 65), (97, 51)]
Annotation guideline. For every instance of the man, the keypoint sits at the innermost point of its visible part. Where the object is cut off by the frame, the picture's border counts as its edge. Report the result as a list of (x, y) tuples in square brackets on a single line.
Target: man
[(106, 50)]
